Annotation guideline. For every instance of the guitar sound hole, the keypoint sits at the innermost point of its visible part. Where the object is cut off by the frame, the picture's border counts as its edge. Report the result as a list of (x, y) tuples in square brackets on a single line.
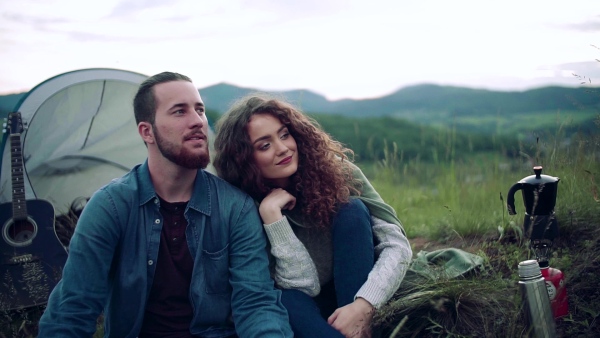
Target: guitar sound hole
[(20, 233)]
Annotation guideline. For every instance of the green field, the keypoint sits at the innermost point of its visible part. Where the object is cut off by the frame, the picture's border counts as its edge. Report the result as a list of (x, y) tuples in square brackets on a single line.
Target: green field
[(505, 123), (460, 202), (449, 188)]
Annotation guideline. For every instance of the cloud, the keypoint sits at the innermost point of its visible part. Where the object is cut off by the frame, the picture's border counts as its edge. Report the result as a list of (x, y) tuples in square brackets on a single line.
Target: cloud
[(592, 25), (585, 72), (127, 8), (342, 48), (103, 37), (14, 18), (287, 8)]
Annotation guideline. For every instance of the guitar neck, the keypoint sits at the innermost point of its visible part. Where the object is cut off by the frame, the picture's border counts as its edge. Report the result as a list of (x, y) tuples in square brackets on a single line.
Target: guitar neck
[(19, 204)]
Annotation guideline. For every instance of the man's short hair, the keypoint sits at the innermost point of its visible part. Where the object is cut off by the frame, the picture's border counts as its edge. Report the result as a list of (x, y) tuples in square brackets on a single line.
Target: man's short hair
[(144, 103)]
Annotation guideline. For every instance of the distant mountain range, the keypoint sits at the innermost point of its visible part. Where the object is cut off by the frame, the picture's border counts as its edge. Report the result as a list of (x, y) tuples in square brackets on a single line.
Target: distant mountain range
[(478, 110), (424, 104), (426, 97)]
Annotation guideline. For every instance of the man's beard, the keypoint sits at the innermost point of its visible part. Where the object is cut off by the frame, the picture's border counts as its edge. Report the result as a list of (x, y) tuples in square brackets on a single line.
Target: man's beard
[(182, 158)]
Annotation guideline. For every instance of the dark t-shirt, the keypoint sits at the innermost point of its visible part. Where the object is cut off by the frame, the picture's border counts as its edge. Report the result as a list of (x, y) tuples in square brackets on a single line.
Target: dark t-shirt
[(168, 310)]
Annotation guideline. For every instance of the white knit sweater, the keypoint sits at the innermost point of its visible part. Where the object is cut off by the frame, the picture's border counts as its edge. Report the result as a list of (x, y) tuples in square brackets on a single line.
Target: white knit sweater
[(295, 269)]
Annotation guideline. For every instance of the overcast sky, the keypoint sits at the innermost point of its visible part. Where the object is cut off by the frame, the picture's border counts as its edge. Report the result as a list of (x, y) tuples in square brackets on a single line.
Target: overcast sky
[(338, 48)]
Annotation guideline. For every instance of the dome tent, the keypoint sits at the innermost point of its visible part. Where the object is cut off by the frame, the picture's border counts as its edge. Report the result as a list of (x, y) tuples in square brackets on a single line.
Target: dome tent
[(80, 133)]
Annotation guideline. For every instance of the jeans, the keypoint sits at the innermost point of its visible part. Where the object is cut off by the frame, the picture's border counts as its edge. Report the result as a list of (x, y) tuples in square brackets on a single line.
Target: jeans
[(353, 259)]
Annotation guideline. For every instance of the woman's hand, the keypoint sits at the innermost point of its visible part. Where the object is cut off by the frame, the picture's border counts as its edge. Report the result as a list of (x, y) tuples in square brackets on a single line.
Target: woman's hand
[(354, 319), (271, 206)]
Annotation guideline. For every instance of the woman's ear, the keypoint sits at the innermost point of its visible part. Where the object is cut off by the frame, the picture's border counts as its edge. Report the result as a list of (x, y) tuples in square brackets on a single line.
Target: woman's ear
[(146, 132)]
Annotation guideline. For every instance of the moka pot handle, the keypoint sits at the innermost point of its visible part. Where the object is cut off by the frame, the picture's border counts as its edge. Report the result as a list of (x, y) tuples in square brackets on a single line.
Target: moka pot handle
[(510, 198)]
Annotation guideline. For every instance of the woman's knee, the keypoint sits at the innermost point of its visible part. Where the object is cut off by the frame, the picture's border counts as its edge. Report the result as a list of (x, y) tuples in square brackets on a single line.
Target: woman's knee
[(354, 213), (357, 205), (353, 208)]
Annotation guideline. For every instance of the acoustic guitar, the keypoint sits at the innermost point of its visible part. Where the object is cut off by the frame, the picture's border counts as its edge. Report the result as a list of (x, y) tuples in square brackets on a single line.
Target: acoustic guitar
[(31, 255)]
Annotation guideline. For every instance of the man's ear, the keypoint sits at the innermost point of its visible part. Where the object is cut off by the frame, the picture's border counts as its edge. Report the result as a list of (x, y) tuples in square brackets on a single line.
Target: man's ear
[(146, 132)]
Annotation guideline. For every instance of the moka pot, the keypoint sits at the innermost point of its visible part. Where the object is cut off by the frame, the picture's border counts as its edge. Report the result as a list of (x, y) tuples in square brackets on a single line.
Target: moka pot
[(539, 193), (539, 196)]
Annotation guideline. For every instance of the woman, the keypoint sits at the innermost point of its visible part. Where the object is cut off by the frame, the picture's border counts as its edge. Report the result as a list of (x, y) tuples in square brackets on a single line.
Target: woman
[(339, 251)]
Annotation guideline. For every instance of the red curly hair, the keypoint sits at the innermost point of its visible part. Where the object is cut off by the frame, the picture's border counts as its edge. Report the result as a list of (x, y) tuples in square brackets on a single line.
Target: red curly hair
[(323, 180)]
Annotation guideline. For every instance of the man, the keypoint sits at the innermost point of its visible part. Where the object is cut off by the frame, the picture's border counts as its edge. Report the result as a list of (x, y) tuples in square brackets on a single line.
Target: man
[(168, 250)]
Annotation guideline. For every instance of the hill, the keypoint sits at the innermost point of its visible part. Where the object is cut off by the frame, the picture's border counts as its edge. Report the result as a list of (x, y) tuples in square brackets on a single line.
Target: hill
[(477, 110), (464, 108), (426, 97), (220, 96)]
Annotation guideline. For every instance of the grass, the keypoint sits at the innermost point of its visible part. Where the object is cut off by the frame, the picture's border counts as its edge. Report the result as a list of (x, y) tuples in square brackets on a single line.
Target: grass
[(487, 303), (469, 197), (461, 202), (504, 123), (452, 308), (531, 120)]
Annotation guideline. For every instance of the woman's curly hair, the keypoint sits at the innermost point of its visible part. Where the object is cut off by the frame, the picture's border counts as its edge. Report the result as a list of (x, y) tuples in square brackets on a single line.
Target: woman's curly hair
[(323, 179)]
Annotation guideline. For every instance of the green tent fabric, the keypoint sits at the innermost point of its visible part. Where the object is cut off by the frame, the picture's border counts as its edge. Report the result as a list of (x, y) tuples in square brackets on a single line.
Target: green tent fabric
[(443, 264), (79, 134)]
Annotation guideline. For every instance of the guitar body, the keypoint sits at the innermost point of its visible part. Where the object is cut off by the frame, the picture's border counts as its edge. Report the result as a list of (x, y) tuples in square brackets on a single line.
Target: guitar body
[(32, 256)]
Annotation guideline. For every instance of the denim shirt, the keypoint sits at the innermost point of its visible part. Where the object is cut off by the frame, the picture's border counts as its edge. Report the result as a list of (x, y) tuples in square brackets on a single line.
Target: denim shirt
[(112, 259)]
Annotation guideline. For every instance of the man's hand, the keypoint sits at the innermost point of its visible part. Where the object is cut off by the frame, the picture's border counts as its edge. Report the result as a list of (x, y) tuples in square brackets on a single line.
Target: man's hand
[(353, 320)]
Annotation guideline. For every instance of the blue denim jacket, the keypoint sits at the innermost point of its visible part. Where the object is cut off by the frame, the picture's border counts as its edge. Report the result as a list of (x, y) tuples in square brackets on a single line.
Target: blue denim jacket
[(112, 259)]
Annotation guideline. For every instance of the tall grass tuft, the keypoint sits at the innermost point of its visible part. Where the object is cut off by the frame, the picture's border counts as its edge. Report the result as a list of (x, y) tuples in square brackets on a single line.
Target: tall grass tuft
[(452, 308)]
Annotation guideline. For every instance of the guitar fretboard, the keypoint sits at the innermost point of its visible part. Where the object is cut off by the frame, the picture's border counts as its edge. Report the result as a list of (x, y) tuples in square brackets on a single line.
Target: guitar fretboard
[(18, 186)]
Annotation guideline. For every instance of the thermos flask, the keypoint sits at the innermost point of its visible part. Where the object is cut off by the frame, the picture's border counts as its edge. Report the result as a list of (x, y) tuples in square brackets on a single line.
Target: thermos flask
[(536, 303)]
